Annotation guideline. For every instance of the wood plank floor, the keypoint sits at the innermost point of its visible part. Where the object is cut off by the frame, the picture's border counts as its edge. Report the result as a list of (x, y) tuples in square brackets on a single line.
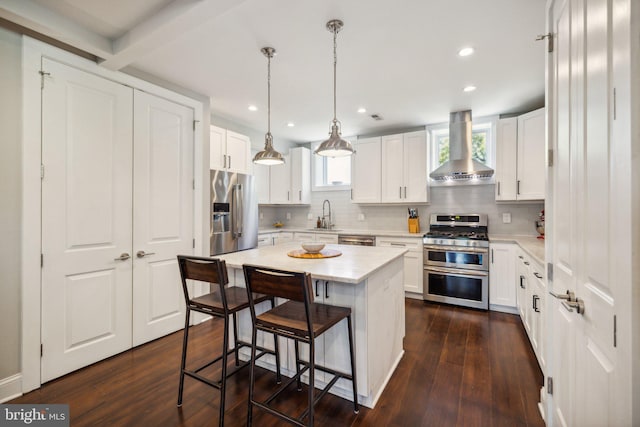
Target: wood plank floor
[(461, 368)]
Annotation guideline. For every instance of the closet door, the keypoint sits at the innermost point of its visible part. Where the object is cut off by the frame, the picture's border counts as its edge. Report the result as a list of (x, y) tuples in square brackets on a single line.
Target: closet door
[(162, 213), (86, 219)]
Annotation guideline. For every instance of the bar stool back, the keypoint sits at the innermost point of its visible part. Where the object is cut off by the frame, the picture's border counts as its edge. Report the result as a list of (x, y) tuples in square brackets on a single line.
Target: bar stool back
[(223, 301), (301, 320)]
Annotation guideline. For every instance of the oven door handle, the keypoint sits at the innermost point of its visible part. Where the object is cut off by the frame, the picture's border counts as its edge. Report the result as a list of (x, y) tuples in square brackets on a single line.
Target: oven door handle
[(456, 249), (457, 271)]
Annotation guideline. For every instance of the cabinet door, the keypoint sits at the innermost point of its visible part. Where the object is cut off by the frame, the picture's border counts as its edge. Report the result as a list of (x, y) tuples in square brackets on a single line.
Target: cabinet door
[(282, 237), (506, 159), (300, 175), (502, 275), (531, 167), (262, 176), (365, 171), (238, 150), (280, 182), (303, 237), (393, 188), (217, 149), (415, 167), (413, 270), (265, 240), (521, 273), (326, 238)]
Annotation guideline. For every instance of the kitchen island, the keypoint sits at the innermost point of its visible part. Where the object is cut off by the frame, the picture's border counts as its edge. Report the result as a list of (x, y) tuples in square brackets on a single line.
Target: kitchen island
[(367, 279)]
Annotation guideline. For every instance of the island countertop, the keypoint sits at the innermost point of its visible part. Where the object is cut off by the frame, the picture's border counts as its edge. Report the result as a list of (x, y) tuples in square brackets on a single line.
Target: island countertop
[(354, 265)]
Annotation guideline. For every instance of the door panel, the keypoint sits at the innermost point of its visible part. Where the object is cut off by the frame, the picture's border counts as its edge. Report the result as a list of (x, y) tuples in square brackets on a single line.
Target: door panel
[(86, 219), (162, 212)]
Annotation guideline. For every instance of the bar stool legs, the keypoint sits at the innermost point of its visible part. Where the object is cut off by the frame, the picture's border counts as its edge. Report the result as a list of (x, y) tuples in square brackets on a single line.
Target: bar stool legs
[(356, 407), (183, 361)]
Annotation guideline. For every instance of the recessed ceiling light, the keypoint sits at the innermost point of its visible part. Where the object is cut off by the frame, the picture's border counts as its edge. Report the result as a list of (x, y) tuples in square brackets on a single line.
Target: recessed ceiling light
[(253, 108), (291, 124), (465, 51), (469, 88), (362, 110)]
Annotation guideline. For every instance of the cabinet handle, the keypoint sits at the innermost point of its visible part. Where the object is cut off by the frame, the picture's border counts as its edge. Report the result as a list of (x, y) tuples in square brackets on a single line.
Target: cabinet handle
[(300, 195), (522, 282), (352, 194), (538, 275), (520, 256), (535, 303), (491, 256), (398, 244), (224, 161), (498, 188), (400, 195), (405, 192), (317, 294), (526, 263), (229, 162), (326, 289), (518, 187), (288, 196)]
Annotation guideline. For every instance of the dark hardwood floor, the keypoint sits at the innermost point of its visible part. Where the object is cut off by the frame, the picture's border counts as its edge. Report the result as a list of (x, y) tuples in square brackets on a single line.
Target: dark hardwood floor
[(460, 367)]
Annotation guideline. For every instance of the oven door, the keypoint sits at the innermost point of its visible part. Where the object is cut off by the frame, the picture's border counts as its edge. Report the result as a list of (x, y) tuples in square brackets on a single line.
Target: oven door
[(467, 288), (456, 257)]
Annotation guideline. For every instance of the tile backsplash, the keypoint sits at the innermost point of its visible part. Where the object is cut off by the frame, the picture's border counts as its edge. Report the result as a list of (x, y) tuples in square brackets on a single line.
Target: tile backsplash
[(453, 199)]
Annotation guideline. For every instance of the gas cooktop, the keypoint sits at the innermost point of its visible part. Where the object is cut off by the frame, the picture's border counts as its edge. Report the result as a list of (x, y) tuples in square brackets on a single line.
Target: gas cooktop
[(457, 230)]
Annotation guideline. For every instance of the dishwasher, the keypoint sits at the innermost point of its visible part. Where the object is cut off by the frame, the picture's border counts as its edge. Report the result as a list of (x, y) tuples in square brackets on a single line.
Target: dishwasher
[(356, 239)]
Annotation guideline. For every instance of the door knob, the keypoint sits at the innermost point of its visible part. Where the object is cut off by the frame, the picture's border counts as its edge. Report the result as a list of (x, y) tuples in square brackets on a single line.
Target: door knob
[(142, 254), (569, 296), (123, 257), (578, 304)]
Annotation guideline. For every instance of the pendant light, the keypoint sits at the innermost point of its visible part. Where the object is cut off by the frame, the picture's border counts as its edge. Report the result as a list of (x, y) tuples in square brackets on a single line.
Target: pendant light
[(269, 156), (335, 146)]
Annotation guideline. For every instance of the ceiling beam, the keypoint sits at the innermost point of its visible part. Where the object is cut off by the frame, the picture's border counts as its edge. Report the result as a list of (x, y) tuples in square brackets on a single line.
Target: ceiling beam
[(169, 23), (51, 24)]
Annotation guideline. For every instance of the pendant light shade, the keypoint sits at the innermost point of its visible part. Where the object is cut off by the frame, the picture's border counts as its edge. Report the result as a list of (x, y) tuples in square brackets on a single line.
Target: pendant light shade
[(335, 146), (269, 156)]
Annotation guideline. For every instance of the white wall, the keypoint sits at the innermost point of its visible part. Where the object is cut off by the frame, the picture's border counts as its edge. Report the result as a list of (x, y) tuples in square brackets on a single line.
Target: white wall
[(11, 200), (456, 199)]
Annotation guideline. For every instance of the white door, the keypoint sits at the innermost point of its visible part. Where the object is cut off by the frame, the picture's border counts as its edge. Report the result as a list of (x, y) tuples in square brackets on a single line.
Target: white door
[(392, 173), (86, 219), (414, 167), (162, 213), (585, 232)]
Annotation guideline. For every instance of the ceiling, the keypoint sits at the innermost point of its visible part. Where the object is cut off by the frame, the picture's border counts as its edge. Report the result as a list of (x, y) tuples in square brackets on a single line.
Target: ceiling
[(396, 59)]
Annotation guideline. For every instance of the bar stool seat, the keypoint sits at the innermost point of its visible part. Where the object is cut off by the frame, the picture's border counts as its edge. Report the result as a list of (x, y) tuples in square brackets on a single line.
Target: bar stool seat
[(299, 319), (223, 302)]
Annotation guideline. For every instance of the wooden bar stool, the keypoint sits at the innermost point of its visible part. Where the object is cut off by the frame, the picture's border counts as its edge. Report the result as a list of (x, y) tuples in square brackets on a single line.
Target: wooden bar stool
[(299, 319), (222, 302)]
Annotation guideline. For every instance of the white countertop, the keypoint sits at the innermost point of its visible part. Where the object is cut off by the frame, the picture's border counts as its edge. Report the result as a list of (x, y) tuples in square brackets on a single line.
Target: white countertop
[(354, 265), (386, 233), (530, 244)]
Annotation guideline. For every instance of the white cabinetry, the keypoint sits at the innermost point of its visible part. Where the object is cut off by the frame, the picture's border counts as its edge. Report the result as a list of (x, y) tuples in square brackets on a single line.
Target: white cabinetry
[(520, 164), (302, 236), (404, 168), (413, 261), (291, 183), (265, 239), (261, 174), (502, 278), (229, 151), (365, 171), (282, 237), (531, 301)]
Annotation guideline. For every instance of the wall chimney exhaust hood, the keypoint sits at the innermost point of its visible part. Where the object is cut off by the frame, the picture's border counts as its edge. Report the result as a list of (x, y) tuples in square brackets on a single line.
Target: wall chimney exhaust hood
[(461, 165)]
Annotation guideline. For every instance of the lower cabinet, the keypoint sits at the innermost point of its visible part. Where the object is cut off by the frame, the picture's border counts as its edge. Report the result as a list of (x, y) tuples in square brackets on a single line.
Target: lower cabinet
[(265, 239), (282, 237), (502, 277), (304, 236), (413, 262)]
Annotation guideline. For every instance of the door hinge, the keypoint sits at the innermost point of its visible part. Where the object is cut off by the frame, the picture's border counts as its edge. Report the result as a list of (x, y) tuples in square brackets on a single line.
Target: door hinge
[(549, 272), (41, 260), (193, 183), (550, 157), (42, 74), (549, 37), (41, 349), (194, 124), (194, 243), (615, 331), (615, 110), (41, 171), (549, 385)]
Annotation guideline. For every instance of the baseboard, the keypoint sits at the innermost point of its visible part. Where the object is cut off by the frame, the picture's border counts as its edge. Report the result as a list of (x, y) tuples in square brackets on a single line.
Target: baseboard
[(10, 388), (412, 295), (503, 308)]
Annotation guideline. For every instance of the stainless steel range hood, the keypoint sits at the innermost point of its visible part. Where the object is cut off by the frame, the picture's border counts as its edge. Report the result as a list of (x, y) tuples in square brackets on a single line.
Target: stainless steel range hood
[(461, 165)]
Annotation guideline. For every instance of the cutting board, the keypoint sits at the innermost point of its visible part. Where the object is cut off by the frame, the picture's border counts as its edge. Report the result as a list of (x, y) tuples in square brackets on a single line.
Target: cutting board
[(325, 253)]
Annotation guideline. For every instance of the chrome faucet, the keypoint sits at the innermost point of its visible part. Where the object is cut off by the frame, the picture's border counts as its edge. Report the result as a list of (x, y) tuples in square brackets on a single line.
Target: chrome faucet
[(326, 224)]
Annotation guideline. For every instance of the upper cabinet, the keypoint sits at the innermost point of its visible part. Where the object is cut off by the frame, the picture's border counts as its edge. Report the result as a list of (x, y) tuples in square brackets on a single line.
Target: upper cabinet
[(520, 165), (390, 169), (365, 171), (288, 184), (404, 168), (229, 151)]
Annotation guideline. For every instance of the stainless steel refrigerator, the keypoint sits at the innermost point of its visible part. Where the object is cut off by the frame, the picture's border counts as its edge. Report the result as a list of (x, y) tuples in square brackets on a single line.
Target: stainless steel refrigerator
[(234, 212)]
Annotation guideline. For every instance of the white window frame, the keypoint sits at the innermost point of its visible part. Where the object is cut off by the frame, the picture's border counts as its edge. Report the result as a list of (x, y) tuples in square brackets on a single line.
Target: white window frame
[(321, 162), (433, 131)]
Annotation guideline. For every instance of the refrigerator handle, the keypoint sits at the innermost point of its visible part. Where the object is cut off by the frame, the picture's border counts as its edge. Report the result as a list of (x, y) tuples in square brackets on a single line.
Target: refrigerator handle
[(238, 202)]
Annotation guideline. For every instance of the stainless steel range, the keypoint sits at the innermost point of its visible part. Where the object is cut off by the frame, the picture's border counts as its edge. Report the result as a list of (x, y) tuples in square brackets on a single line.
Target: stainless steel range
[(456, 260)]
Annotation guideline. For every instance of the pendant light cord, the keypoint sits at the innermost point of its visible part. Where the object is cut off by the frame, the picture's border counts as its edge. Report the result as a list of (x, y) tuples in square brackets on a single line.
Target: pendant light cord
[(335, 63), (269, 94)]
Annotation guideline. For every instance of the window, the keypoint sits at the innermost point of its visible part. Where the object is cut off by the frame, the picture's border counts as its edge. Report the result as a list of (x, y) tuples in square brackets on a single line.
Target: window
[(330, 173), (483, 142)]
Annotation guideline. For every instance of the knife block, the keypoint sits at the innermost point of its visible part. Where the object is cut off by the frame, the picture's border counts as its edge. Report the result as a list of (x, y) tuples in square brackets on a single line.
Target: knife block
[(414, 225)]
